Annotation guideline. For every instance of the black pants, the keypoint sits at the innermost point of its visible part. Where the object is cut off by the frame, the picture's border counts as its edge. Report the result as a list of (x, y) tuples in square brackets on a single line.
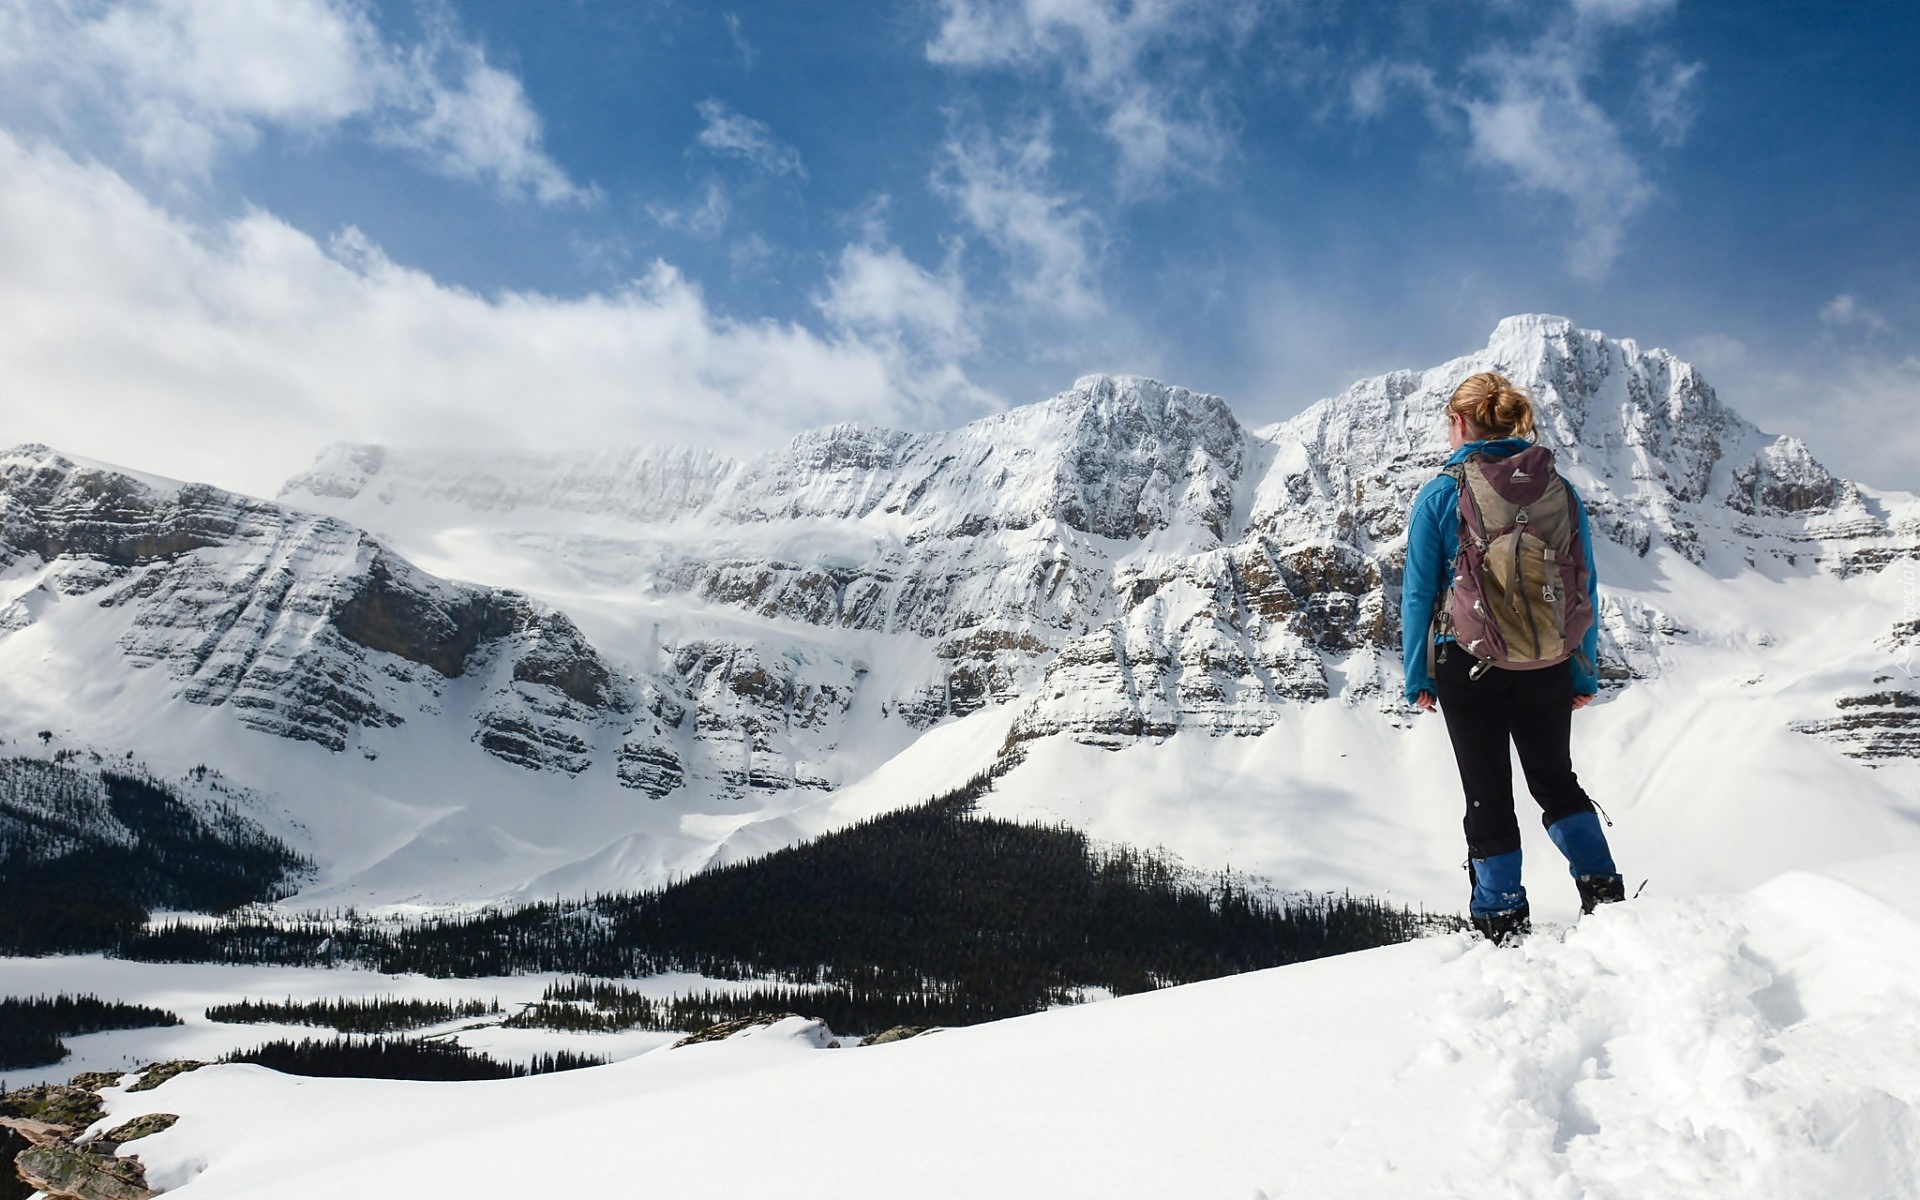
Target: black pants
[(1533, 710)]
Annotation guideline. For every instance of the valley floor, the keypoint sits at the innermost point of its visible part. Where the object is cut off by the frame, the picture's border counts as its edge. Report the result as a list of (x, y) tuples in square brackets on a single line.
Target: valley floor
[(1760, 1044)]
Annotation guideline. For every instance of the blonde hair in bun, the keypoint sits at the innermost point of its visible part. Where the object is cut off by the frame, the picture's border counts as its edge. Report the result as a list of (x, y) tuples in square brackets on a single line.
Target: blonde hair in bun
[(1493, 407)]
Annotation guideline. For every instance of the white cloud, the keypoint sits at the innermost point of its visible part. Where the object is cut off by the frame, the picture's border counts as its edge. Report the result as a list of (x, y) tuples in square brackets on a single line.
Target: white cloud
[(1714, 351), (1540, 125), (737, 34), (1530, 115), (183, 81), (999, 188), (1134, 62), (230, 352), (751, 255), (473, 121), (880, 292), (1621, 12), (1372, 87), (706, 219), (1666, 93), (1846, 312), (728, 132)]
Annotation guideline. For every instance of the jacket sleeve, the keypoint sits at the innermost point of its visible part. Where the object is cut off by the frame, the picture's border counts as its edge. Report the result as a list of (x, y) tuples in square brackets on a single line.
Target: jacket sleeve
[(1426, 573), (1586, 679)]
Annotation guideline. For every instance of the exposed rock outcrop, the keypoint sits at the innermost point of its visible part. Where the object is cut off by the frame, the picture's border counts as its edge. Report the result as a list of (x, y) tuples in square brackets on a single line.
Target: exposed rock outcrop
[(1875, 726), (62, 1171), (809, 1029), (43, 1148)]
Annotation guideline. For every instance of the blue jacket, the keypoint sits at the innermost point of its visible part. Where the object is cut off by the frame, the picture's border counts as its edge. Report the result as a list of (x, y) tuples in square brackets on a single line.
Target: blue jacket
[(1433, 540)]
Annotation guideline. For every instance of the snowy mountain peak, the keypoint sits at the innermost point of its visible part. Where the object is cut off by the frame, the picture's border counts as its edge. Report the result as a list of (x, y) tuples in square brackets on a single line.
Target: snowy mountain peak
[(1656, 454), (1126, 398)]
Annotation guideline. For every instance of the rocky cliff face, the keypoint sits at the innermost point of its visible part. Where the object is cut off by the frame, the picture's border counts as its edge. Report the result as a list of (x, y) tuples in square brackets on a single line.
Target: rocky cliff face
[(998, 541), (303, 626), (307, 628)]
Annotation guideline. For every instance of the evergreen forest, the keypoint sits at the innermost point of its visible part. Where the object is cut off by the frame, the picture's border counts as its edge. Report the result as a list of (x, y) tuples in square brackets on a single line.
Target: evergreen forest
[(401, 1058), (85, 854), (31, 1027), (929, 914), (373, 1014)]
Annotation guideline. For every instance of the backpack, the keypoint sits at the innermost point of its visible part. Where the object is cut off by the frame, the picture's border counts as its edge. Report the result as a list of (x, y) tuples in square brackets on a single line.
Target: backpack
[(1519, 593)]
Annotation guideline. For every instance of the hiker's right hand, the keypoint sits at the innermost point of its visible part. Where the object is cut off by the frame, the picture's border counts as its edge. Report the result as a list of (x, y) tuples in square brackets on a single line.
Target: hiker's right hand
[(1424, 701)]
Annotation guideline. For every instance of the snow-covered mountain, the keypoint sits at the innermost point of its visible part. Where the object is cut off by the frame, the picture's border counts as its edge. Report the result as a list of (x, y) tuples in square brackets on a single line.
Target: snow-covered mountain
[(1155, 622)]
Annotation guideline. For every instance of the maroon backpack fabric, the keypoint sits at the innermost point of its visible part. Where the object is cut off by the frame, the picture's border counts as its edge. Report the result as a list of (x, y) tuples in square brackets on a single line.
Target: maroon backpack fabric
[(1518, 599)]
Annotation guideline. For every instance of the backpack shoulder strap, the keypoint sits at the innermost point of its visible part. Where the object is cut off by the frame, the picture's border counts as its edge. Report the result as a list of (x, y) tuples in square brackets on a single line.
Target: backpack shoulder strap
[(1436, 624), (1468, 502)]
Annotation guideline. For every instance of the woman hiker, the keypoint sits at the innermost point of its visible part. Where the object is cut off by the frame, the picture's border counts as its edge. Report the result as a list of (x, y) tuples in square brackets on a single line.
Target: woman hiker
[(1502, 638)]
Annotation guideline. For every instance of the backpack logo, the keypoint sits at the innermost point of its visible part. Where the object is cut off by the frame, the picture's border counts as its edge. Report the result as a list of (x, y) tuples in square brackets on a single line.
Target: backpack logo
[(1522, 477)]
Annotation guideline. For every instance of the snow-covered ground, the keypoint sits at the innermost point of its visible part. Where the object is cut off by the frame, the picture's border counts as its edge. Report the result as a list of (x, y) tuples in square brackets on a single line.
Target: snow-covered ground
[(1763, 1044), (188, 989)]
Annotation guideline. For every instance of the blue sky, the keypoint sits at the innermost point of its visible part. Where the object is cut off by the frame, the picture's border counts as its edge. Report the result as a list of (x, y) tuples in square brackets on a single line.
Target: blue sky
[(232, 231)]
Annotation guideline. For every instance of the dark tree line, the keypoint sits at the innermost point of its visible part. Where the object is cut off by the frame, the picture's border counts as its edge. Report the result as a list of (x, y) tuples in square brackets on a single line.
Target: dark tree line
[(31, 1027), (70, 881), (599, 1006), (400, 1058), (374, 1014), (927, 910)]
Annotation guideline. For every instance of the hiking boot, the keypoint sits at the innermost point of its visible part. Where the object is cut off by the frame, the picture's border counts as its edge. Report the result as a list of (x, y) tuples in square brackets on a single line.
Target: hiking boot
[(1596, 890), (1505, 929)]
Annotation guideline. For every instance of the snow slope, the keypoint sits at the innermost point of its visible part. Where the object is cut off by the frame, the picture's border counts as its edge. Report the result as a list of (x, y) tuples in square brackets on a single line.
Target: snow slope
[(1762, 1045)]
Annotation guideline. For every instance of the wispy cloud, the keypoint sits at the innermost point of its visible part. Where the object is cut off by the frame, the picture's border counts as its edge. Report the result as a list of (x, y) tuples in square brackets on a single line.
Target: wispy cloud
[(1135, 64), (184, 81), (1374, 85), (1621, 12), (1531, 114), (1540, 125), (730, 133), (705, 219), (1000, 188), (737, 34), (1667, 86), (1845, 311)]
